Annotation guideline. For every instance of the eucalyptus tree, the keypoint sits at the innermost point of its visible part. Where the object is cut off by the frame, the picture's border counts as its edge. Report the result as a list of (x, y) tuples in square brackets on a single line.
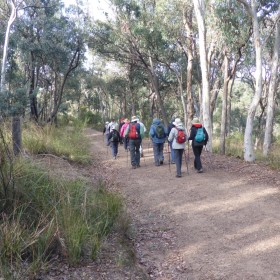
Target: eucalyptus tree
[(274, 82), (256, 11), (51, 46), (136, 39), (199, 7), (232, 38)]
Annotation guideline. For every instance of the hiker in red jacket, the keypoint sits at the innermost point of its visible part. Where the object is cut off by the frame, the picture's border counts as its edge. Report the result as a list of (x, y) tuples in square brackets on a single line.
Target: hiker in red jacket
[(197, 146)]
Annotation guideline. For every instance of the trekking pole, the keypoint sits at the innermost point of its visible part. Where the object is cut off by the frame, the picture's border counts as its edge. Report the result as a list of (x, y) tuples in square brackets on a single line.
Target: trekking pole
[(168, 150), (187, 159), (144, 157), (126, 157)]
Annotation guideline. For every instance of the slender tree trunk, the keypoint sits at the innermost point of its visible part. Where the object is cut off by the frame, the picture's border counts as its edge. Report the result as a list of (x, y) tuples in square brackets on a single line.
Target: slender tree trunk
[(154, 82), (249, 154), (32, 97), (188, 17), (274, 80), (224, 106), (199, 7)]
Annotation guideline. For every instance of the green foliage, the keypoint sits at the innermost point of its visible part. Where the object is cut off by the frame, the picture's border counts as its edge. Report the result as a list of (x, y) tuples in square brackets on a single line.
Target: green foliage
[(67, 142), (13, 103)]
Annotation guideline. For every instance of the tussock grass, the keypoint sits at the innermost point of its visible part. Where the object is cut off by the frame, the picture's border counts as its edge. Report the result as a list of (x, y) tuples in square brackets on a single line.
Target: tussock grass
[(66, 142), (42, 217), (47, 217)]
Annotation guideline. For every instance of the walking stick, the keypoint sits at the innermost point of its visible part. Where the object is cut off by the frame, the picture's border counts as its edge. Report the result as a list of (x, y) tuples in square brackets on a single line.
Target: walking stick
[(187, 158), (126, 157), (168, 150)]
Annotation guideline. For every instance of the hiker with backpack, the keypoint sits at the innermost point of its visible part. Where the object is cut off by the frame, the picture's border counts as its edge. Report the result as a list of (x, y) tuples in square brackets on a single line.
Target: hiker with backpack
[(170, 126), (178, 137), (114, 139), (134, 132), (113, 123), (158, 135), (122, 131), (144, 130), (199, 138)]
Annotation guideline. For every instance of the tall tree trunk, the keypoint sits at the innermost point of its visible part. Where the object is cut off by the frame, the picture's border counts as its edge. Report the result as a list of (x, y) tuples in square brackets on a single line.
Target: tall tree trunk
[(249, 154), (224, 106), (274, 80), (154, 82), (32, 86), (199, 7), (188, 17)]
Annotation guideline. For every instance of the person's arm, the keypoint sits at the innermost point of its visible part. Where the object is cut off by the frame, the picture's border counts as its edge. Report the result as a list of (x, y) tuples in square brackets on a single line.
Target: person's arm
[(192, 133), (152, 131)]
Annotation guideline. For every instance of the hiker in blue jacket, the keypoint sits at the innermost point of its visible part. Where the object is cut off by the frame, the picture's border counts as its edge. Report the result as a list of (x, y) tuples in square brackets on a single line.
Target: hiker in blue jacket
[(197, 149), (158, 134)]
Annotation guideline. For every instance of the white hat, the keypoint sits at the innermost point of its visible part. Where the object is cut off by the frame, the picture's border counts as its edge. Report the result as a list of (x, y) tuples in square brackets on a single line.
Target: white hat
[(134, 119), (195, 120), (106, 122), (177, 122)]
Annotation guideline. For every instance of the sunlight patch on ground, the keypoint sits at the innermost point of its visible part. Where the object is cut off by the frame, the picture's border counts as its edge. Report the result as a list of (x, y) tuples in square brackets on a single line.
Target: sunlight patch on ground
[(225, 205), (269, 244)]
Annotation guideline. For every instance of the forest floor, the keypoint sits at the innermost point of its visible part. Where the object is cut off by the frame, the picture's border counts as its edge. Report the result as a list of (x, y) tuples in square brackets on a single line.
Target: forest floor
[(220, 224)]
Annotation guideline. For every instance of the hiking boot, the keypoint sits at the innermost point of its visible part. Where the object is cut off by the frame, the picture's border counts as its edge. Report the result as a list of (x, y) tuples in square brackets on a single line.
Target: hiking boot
[(161, 161), (133, 167), (178, 175), (142, 155), (157, 164), (200, 170), (138, 165)]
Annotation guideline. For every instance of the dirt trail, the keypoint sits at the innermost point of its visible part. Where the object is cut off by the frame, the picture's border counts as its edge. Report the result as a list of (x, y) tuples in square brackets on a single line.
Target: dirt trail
[(221, 224)]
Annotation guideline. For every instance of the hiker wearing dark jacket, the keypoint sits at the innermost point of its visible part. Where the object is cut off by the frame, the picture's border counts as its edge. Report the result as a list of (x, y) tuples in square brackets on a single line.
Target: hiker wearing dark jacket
[(158, 135), (114, 139), (197, 150), (134, 132)]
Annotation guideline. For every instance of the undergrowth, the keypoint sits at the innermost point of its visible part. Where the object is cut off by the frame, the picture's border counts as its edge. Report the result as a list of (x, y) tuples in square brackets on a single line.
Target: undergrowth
[(42, 217), (67, 142)]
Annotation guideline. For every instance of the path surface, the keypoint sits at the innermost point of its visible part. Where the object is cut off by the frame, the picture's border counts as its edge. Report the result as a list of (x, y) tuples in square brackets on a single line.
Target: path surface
[(221, 224)]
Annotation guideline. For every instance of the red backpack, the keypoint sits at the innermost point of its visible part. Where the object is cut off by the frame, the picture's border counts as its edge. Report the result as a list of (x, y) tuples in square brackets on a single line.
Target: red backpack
[(132, 134), (181, 136)]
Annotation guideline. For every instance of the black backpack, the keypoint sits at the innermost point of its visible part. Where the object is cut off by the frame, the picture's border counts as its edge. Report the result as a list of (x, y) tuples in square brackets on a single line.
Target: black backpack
[(115, 137)]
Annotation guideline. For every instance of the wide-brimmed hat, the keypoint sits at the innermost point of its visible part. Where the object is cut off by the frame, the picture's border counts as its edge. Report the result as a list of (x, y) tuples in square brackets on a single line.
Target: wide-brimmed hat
[(195, 120), (134, 119), (177, 122)]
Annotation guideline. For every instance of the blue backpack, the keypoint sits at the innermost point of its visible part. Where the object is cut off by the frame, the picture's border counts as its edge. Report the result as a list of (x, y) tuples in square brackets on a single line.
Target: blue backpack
[(200, 136)]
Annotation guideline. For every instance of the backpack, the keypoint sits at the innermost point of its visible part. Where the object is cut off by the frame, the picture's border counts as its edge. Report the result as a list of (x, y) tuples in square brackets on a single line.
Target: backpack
[(115, 137), (160, 131), (181, 136), (132, 134), (200, 135)]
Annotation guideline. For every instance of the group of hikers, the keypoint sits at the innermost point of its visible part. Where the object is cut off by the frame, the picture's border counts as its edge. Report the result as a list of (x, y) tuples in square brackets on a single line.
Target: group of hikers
[(131, 132)]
